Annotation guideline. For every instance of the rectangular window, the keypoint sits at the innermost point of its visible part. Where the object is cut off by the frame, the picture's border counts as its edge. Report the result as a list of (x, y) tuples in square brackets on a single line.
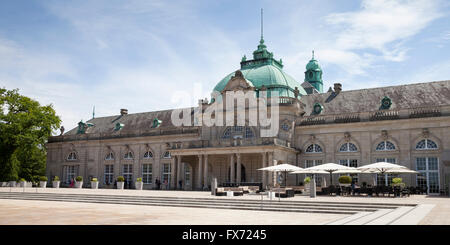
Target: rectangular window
[(312, 163), (70, 173), (350, 163), (147, 173), (109, 174), (127, 172), (428, 177), (166, 174), (187, 175)]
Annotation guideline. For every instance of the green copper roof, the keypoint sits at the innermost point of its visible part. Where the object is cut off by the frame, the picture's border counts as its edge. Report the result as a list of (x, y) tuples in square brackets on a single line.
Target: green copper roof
[(265, 70)]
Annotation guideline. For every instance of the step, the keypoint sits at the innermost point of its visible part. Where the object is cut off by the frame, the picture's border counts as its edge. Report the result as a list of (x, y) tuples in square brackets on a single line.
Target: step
[(370, 217), (414, 216), (325, 204), (308, 210), (185, 202), (390, 217), (349, 218)]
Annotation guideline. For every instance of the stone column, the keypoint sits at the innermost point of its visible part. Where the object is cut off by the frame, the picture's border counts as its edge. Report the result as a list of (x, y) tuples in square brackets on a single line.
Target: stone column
[(232, 179), (199, 174), (270, 174), (172, 183), (205, 171), (238, 170), (264, 173), (179, 171)]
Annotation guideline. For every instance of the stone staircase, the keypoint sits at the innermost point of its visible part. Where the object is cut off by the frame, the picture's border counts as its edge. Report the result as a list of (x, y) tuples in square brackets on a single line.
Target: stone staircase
[(351, 209)]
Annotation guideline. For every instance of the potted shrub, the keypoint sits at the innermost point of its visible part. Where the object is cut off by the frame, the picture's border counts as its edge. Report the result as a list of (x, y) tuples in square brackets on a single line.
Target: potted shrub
[(79, 182), (56, 182), (398, 182), (94, 183), (306, 182), (22, 182), (43, 181), (345, 180), (120, 182), (139, 184)]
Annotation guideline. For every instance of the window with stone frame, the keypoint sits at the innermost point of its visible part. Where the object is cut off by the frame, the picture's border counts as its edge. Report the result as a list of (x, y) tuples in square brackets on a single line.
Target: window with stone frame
[(70, 172), (127, 172), (109, 174), (426, 144), (148, 155), (128, 155), (166, 173), (348, 147), (385, 146), (109, 156), (314, 148), (147, 173), (72, 156), (238, 131), (187, 175), (167, 155)]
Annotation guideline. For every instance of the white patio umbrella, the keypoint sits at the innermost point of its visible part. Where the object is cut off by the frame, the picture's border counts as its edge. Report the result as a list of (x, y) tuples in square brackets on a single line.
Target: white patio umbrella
[(282, 168), (330, 168), (401, 171), (381, 168)]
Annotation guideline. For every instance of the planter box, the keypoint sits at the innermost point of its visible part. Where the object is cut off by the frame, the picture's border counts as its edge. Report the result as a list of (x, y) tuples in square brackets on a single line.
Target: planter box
[(43, 184), (94, 185), (56, 184), (139, 185), (12, 184), (79, 184), (120, 185)]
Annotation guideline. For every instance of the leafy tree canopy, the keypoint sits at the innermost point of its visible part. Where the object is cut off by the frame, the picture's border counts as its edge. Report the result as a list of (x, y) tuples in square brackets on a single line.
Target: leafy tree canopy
[(25, 126)]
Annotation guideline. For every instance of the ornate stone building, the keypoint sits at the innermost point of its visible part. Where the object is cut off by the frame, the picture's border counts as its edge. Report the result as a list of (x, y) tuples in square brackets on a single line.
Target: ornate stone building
[(406, 124)]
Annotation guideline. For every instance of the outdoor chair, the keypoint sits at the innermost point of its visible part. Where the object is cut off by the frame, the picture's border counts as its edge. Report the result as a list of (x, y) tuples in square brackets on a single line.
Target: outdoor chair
[(405, 192), (287, 192)]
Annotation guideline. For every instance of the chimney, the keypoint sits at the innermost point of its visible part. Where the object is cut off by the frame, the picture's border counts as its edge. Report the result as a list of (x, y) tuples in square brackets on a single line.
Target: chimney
[(123, 112), (337, 88)]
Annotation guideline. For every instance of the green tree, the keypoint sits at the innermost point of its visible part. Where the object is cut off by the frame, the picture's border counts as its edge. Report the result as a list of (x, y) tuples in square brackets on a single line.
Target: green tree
[(25, 126)]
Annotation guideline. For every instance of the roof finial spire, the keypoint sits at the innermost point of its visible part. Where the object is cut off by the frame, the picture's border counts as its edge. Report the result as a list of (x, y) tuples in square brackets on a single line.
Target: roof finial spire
[(262, 24), (313, 54)]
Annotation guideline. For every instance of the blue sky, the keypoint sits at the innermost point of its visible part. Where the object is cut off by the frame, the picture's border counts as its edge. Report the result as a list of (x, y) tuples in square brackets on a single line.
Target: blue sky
[(137, 54)]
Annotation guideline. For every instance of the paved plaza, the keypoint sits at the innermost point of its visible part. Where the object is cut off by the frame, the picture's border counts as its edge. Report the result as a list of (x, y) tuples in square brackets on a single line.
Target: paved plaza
[(21, 212)]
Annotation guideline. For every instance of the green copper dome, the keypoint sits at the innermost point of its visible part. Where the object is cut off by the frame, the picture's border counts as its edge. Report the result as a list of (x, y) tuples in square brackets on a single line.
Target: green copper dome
[(264, 70), (313, 65)]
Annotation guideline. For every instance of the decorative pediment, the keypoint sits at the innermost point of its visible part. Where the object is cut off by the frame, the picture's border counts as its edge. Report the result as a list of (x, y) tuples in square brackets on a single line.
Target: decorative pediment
[(238, 82)]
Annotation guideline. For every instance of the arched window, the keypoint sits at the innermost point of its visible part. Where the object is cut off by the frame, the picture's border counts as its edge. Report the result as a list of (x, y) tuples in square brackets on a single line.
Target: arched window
[(348, 147), (109, 156), (241, 131), (128, 155), (148, 155), (314, 148), (167, 155), (72, 156), (385, 146), (426, 144)]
